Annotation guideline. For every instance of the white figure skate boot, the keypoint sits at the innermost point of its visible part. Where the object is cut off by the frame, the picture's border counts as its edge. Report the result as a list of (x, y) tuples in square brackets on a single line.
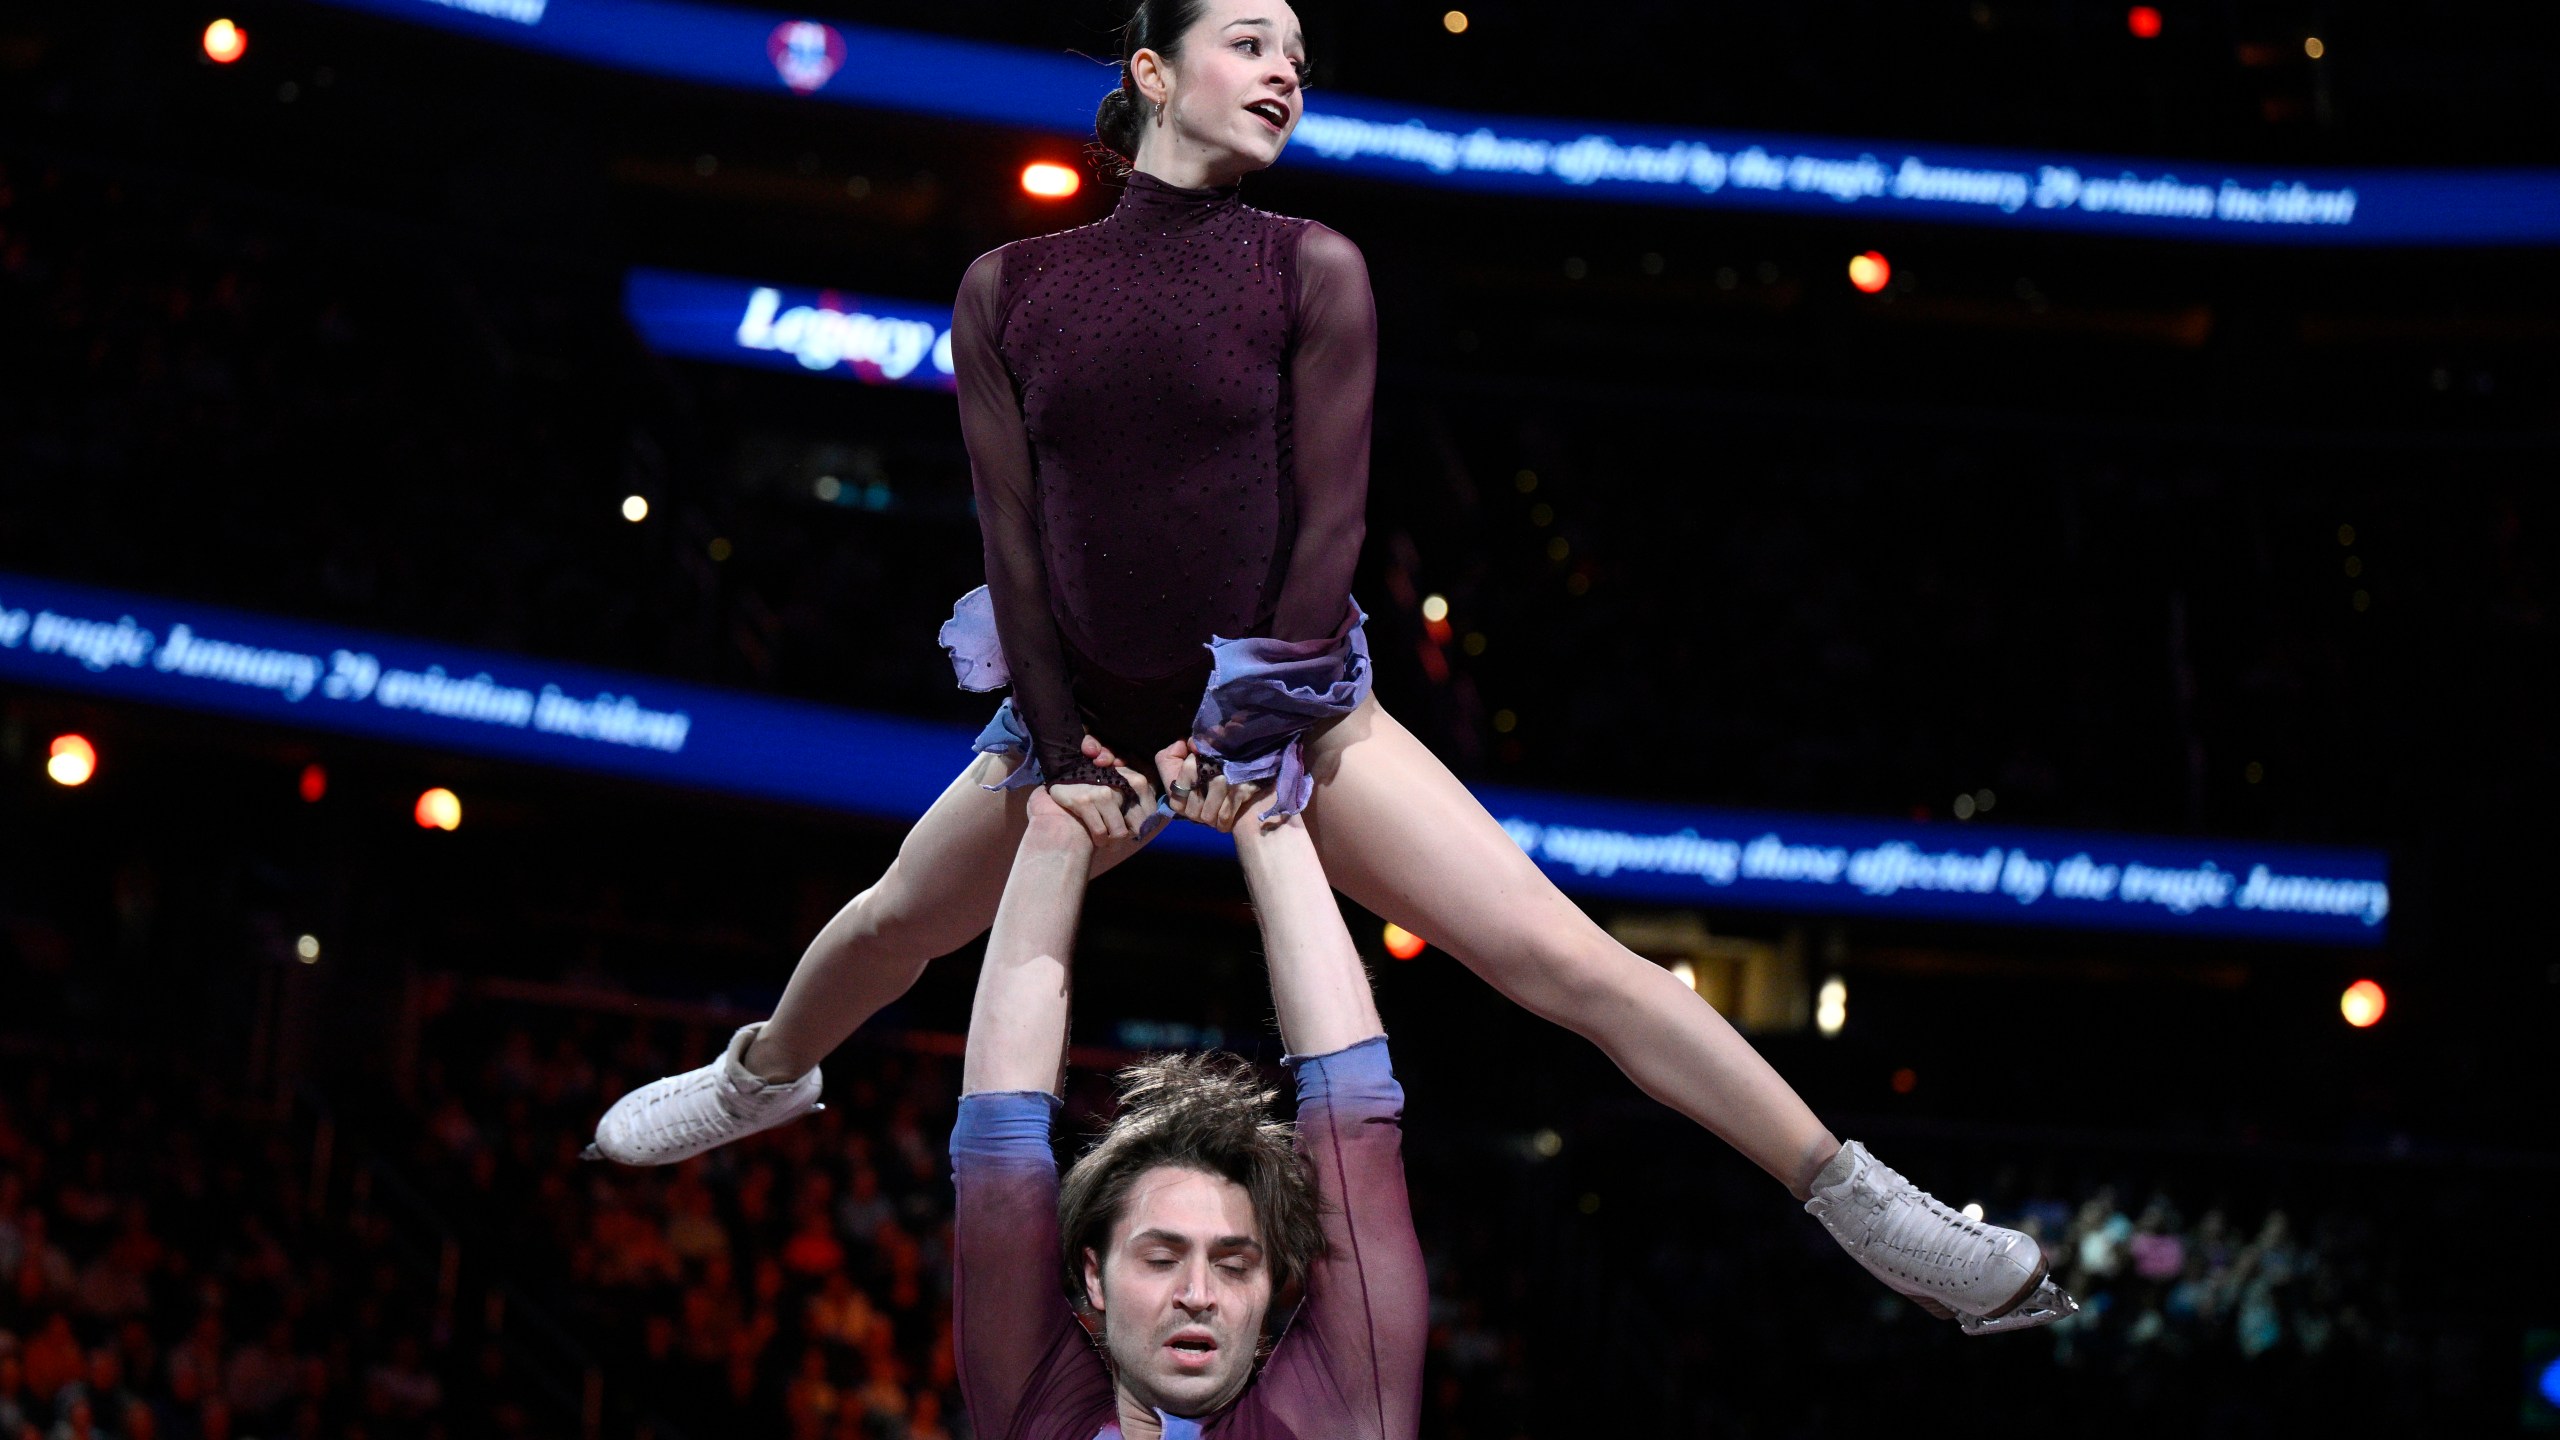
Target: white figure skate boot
[(1985, 1277), (681, 1116)]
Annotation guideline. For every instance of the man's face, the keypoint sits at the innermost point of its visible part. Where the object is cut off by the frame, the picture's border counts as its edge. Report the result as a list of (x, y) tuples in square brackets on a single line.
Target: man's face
[(1182, 1291)]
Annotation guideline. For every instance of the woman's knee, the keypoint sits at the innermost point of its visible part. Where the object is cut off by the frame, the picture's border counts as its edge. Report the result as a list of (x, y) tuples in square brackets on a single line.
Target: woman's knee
[(1573, 975), (892, 917)]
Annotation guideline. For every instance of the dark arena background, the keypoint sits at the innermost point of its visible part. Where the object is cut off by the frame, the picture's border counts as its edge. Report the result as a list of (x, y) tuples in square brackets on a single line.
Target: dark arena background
[(478, 491)]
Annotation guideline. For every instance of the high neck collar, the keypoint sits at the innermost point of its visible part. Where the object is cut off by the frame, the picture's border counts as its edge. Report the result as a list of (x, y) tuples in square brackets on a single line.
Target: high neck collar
[(1149, 200)]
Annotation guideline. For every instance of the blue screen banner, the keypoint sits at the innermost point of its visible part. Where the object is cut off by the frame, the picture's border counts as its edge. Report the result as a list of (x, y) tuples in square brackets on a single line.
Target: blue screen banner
[(551, 713), (1540, 158), (822, 332)]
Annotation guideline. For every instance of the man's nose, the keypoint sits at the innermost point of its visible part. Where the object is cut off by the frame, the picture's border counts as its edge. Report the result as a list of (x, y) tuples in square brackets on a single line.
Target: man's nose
[(1196, 1293)]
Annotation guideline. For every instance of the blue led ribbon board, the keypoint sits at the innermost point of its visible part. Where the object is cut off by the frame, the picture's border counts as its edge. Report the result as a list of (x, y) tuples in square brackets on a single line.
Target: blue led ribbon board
[(818, 332), (544, 712), (1537, 158)]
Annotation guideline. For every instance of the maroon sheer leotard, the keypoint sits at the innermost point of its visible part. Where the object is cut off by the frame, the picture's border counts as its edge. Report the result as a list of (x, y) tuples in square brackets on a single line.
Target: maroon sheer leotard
[(1167, 414)]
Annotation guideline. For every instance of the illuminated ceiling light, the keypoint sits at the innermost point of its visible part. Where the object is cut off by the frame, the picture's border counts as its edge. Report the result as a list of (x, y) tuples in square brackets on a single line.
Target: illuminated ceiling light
[(1049, 180), (720, 549), (1831, 1008), (2312, 47), (225, 42), (635, 508), (1685, 972), (72, 760), (1404, 944), (2143, 21), (2363, 1004), (1435, 608), (1455, 22), (1964, 807), (1547, 1143), (439, 809), (830, 489), (315, 783), (307, 949), (1973, 1210), (1870, 272), (1905, 1080)]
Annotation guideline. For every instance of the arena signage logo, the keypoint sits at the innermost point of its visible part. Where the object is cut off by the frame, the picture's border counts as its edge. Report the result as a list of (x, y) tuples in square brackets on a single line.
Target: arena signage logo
[(1534, 157), (822, 336), (738, 322), (805, 53), (513, 707)]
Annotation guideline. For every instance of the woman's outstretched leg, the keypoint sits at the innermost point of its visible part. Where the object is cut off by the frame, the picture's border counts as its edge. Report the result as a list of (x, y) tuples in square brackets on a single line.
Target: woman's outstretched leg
[(1401, 836), (938, 895)]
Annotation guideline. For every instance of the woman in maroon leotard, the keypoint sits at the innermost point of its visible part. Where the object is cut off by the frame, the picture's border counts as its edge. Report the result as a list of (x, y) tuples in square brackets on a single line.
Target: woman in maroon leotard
[(1168, 415)]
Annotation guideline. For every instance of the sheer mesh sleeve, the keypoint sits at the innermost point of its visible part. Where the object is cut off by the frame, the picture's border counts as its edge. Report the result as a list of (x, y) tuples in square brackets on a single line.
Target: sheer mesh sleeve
[(1027, 1372), (1350, 1366), (1009, 526), (1333, 382)]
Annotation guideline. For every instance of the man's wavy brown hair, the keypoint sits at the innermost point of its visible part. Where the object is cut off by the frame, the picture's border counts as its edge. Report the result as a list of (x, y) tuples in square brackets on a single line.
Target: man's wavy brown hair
[(1208, 1113)]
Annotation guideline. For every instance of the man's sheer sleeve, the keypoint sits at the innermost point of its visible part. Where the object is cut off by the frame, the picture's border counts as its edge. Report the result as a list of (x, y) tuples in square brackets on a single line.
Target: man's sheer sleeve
[(1009, 527), (1350, 1366), (1025, 1364), (1333, 380)]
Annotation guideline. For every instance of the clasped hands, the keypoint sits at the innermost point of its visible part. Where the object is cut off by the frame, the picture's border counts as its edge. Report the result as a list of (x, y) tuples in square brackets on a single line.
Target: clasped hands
[(1210, 801)]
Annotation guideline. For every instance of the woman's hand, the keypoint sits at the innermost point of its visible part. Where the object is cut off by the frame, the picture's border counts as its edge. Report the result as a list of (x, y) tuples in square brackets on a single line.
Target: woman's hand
[(1105, 814), (1217, 803), (1053, 827)]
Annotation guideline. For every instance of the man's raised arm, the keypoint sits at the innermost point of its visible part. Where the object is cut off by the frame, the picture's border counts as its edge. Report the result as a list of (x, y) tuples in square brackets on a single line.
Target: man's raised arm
[(1019, 1347), (1350, 1366), (1318, 984), (1018, 1024)]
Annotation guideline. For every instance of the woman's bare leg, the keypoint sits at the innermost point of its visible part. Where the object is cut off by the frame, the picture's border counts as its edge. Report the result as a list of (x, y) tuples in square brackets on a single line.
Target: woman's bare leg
[(1401, 836), (938, 895)]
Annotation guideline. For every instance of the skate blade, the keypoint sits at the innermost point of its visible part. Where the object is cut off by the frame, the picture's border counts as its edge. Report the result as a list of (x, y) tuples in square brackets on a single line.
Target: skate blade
[(2049, 1303)]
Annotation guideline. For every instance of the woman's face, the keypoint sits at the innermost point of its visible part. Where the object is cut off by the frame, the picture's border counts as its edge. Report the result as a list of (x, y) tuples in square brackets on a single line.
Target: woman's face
[(1232, 95)]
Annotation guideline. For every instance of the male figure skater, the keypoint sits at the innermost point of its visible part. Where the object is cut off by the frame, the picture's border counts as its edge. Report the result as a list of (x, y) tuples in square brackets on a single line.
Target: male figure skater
[(1186, 1233)]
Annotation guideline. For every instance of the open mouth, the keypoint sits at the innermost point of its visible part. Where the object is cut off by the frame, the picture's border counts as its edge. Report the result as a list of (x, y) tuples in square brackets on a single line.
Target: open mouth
[(1192, 1351), (1273, 113)]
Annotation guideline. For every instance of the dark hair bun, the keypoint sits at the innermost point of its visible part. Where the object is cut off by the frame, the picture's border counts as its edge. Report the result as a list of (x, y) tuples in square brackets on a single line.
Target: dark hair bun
[(1119, 122)]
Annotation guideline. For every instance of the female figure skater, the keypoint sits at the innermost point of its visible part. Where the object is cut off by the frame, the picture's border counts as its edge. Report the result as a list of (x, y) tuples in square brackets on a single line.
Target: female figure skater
[(1167, 414)]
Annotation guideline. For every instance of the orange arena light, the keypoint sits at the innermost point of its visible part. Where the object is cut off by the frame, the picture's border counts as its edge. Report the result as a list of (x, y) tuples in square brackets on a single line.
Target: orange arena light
[(1404, 944), (72, 760), (225, 42), (2144, 21), (1049, 180), (1870, 272), (2363, 1004), (439, 809)]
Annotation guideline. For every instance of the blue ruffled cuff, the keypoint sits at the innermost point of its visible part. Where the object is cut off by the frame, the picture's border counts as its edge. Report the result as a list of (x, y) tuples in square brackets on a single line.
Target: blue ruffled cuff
[(1007, 736), (1263, 697), (1004, 1125)]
